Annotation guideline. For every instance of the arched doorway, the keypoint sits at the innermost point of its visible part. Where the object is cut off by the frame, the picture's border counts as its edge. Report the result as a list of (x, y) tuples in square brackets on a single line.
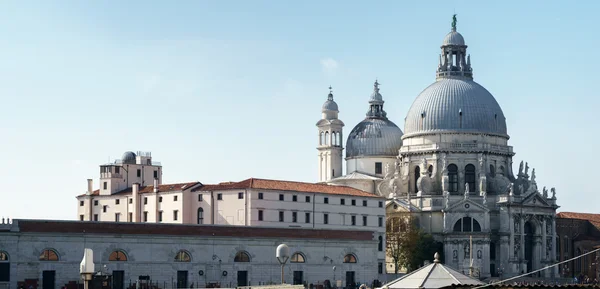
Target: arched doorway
[(528, 231)]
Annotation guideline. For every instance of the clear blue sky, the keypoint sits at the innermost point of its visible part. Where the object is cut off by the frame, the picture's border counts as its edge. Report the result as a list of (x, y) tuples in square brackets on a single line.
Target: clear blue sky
[(226, 90)]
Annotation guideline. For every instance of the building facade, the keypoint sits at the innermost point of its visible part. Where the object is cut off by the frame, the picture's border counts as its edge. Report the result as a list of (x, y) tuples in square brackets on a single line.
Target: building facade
[(46, 254), (577, 234), (251, 202), (452, 167)]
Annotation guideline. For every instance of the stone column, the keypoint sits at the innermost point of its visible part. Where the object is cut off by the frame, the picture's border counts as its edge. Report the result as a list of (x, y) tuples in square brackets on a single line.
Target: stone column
[(511, 227), (555, 271), (522, 235), (544, 240)]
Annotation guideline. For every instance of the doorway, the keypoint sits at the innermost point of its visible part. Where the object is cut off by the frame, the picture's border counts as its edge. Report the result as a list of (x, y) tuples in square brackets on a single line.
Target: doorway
[(182, 279), (48, 279), (118, 279), (242, 278), (350, 281), (298, 280), (529, 231)]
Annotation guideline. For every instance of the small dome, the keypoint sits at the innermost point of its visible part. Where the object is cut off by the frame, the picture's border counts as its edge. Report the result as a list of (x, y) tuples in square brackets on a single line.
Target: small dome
[(128, 158), (374, 137), (376, 96), (453, 38), (455, 105), (330, 105)]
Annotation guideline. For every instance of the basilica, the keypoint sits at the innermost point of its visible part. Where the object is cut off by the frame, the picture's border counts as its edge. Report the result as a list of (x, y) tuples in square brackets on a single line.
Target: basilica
[(451, 169)]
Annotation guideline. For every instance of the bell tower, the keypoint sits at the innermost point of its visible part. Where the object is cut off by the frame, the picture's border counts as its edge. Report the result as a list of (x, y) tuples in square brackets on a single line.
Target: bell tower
[(330, 141)]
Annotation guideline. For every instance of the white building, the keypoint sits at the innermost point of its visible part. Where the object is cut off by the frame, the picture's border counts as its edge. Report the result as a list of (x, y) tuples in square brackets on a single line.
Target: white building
[(452, 169), (46, 254), (251, 202)]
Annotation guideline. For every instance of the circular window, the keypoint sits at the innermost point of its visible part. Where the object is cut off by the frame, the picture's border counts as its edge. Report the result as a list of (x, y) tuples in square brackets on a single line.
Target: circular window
[(467, 206)]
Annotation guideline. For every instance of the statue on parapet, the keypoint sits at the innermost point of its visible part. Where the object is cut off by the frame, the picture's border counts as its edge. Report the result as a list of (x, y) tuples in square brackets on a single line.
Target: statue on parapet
[(533, 175), (520, 170), (553, 190), (545, 192), (466, 191)]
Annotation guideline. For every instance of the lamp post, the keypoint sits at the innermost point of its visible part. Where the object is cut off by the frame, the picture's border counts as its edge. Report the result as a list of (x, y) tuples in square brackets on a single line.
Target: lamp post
[(334, 277), (283, 254)]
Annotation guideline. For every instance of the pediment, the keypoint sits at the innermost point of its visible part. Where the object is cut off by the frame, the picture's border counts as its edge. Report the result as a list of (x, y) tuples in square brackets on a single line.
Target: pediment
[(467, 205), (535, 199), (400, 206)]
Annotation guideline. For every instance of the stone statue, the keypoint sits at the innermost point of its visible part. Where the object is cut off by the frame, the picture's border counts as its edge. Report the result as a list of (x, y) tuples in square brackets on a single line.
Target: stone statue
[(521, 189), (484, 195), (423, 166), (511, 189), (526, 168), (553, 190), (466, 191), (446, 199), (520, 169), (445, 183), (454, 22), (482, 183), (467, 250), (533, 175), (388, 171), (545, 192), (444, 169), (481, 163)]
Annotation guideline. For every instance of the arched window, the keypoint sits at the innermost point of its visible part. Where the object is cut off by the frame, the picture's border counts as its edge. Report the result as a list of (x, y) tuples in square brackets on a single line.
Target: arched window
[(241, 256), (326, 138), (502, 170), (350, 258), (453, 178), (200, 216), (380, 245), (321, 138), (4, 257), (118, 256), (430, 170), (49, 255), (297, 258), (467, 224), (470, 177), (417, 175), (183, 256), (492, 171)]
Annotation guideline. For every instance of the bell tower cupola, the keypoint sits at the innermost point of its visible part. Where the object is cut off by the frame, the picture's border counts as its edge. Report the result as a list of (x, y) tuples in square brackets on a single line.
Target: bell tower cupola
[(330, 140)]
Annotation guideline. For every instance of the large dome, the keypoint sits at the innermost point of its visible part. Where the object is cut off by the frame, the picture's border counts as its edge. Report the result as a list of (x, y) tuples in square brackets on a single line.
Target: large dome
[(455, 105), (375, 135)]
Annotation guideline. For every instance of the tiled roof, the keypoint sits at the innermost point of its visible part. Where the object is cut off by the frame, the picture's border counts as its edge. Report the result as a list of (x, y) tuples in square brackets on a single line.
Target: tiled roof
[(150, 189), (161, 188), (113, 228), (278, 185), (580, 216)]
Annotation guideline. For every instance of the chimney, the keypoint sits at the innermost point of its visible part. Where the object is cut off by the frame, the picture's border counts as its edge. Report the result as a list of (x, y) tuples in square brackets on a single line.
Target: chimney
[(156, 185), (90, 186), (135, 190)]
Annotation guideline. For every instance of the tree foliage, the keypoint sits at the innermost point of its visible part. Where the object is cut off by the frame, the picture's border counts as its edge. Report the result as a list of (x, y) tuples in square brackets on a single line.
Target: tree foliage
[(407, 245)]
